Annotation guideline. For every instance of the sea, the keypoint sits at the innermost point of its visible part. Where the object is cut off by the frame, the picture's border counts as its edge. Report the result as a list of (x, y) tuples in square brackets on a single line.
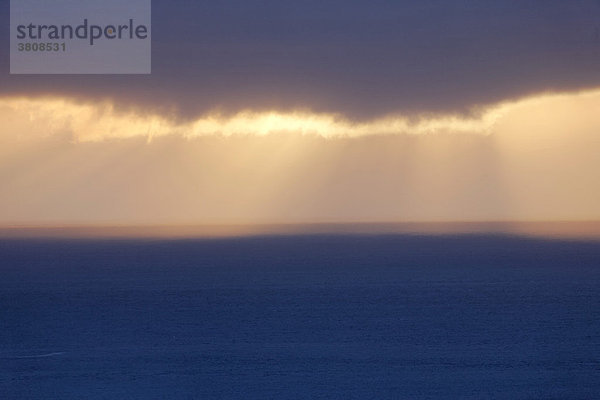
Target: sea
[(314, 315)]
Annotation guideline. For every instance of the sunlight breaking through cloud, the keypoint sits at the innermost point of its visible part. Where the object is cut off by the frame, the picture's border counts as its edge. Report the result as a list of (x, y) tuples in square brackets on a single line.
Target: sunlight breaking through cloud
[(101, 121), (531, 159)]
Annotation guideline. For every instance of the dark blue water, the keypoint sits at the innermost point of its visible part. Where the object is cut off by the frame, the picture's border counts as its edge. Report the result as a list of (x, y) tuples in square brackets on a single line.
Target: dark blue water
[(305, 317)]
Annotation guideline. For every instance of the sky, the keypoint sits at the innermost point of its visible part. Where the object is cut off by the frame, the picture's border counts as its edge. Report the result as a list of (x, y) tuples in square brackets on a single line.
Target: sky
[(312, 111)]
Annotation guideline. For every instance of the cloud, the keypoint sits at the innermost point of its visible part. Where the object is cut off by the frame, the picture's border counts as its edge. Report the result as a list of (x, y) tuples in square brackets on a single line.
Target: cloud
[(361, 60), (32, 117), (102, 121)]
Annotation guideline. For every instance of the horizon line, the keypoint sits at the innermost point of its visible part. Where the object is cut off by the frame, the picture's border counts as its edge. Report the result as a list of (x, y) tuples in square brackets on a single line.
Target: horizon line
[(582, 229)]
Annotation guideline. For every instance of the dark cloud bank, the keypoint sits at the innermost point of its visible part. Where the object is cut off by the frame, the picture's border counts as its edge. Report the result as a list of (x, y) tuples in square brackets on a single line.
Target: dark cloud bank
[(359, 58)]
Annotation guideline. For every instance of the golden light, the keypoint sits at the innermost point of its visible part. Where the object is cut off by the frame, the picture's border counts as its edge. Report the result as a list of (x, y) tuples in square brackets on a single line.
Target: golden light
[(529, 159)]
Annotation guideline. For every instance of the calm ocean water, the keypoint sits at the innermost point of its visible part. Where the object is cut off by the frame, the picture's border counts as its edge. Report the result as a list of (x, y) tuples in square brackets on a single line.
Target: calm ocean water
[(300, 317)]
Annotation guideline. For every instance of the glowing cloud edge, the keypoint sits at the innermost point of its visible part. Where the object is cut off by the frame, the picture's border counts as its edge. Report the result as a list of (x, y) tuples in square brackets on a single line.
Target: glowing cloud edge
[(102, 121)]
